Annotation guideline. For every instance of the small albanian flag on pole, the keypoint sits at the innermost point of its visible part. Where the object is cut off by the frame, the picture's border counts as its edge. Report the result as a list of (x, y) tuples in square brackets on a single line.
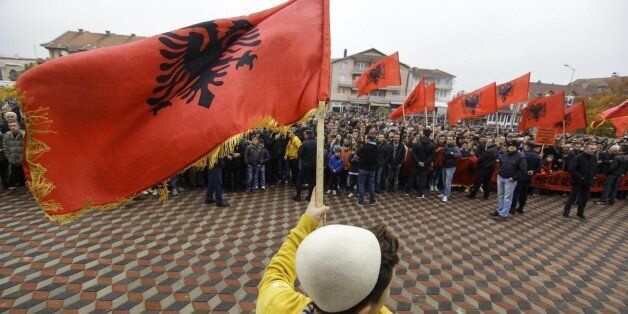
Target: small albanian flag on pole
[(384, 73), (543, 112), (478, 103), (514, 91), (575, 119), (413, 104), (106, 124)]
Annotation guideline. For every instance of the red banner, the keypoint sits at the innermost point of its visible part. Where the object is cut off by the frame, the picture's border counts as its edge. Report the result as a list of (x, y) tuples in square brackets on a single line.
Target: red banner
[(561, 181), (465, 171), (545, 136), (554, 181)]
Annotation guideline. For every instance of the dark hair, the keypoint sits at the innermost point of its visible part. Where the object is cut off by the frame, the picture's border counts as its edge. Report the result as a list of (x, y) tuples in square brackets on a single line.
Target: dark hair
[(427, 132), (389, 245), (370, 137), (307, 133)]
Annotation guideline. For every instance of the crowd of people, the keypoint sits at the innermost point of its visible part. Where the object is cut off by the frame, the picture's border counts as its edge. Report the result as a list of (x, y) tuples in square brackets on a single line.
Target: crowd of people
[(11, 146), (367, 152)]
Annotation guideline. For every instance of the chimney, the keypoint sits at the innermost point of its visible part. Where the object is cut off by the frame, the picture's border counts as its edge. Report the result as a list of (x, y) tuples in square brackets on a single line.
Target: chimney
[(80, 30), (108, 32), (345, 54)]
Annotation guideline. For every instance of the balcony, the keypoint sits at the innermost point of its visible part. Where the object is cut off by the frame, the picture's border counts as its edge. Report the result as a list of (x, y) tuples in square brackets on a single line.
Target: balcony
[(357, 70)]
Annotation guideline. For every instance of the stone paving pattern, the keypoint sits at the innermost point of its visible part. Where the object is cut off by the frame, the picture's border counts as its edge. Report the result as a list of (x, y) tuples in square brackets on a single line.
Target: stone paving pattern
[(187, 256)]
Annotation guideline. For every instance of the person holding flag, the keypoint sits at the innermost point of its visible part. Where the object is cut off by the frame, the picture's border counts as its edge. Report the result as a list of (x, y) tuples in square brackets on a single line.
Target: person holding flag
[(341, 268)]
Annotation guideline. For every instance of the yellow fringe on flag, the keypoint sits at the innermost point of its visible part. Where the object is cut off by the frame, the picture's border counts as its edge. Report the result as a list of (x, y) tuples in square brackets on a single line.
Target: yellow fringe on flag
[(37, 122)]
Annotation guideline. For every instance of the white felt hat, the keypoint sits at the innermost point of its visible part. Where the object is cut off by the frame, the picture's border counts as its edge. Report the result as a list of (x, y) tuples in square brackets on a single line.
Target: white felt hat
[(338, 266)]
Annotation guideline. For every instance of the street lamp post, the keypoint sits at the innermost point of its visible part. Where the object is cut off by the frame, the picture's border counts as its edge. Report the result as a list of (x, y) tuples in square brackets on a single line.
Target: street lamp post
[(572, 73)]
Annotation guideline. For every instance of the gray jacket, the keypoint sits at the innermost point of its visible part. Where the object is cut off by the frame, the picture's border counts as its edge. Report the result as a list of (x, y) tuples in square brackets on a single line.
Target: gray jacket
[(13, 147)]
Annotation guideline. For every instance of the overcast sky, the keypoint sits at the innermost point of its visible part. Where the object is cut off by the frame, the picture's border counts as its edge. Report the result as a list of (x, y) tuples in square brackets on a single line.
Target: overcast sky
[(479, 41)]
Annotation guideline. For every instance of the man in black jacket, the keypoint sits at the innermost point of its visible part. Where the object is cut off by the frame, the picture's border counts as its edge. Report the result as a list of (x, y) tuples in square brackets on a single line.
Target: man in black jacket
[(613, 176), (382, 160), (512, 168), (485, 165), (533, 163), (422, 157), (583, 169), (368, 155), (307, 160), (397, 154)]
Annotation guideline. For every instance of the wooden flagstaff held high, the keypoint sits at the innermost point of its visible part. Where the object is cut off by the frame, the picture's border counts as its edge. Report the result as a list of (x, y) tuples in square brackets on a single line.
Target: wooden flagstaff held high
[(426, 124), (320, 157)]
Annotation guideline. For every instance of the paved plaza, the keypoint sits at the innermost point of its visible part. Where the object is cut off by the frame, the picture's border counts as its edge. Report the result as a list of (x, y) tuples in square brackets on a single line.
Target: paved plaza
[(187, 256)]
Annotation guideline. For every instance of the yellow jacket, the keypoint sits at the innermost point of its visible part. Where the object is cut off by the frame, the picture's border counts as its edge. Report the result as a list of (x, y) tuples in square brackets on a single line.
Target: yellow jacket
[(292, 150), (276, 291)]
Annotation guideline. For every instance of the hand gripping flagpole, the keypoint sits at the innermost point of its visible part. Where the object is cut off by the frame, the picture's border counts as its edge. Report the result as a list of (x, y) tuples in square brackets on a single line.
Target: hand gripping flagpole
[(320, 157)]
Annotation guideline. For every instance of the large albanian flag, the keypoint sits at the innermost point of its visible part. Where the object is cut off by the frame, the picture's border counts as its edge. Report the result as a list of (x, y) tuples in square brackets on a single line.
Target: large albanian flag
[(106, 124)]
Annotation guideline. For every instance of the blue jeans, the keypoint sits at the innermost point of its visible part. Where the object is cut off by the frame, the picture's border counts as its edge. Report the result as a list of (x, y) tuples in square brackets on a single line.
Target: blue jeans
[(448, 175), (366, 177), (505, 190), (378, 176), (252, 173)]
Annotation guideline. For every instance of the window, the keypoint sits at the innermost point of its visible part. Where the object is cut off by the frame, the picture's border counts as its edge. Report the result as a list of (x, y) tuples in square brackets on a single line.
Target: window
[(13, 75), (361, 65), (343, 91), (378, 93), (395, 93), (343, 64), (342, 78)]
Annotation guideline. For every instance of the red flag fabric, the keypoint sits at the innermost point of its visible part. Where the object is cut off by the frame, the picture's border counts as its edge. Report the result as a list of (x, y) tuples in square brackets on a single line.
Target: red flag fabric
[(106, 124), (612, 113), (475, 104), (514, 91), (430, 97), (621, 125), (384, 73), (413, 104), (575, 119), (543, 112)]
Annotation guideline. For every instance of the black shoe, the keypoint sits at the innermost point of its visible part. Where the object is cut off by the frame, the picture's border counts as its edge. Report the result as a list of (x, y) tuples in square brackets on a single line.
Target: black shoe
[(494, 214), (223, 204), (566, 216), (499, 218), (373, 203), (210, 201), (296, 198), (361, 205), (582, 218), (470, 197), (520, 211)]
